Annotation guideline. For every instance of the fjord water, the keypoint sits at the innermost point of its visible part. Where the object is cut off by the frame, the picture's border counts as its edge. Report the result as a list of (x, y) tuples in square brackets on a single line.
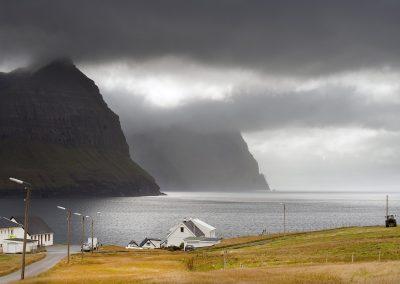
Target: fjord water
[(233, 214)]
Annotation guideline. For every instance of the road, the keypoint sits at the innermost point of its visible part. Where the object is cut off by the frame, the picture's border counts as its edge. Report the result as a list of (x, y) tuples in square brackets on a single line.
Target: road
[(53, 256)]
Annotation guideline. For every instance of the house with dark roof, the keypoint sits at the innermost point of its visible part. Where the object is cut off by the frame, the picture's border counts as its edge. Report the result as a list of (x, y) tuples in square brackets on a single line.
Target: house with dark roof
[(133, 245), (37, 230), (8, 230), (150, 243), (189, 228)]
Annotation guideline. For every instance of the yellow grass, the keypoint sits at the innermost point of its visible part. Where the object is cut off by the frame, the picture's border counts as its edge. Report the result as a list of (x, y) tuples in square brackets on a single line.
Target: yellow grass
[(12, 262), (315, 257)]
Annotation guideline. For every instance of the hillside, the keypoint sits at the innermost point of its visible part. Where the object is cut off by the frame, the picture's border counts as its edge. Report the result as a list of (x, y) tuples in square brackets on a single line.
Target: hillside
[(184, 159), (57, 133), (345, 255)]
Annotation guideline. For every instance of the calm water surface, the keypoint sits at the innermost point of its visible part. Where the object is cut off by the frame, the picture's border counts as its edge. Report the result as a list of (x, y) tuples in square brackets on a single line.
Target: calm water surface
[(127, 218)]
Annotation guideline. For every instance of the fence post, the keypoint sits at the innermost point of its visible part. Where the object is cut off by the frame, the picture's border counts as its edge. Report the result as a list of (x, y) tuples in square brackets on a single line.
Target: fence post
[(379, 258), (352, 257), (224, 259)]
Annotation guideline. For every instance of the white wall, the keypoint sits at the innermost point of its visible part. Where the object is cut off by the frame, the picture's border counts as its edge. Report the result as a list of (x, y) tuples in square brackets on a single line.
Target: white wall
[(17, 247), (200, 244), (176, 237), (6, 233), (152, 244), (44, 239)]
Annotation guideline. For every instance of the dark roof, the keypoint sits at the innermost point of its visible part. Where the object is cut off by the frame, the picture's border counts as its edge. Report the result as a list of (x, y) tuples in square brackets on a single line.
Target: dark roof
[(6, 223), (21, 240), (149, 239), (133, 243), (36, 225), (193, 228)]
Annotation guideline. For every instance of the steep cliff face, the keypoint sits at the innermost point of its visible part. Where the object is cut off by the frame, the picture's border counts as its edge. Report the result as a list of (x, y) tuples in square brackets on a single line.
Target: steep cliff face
[(183, 159), (58, 133)]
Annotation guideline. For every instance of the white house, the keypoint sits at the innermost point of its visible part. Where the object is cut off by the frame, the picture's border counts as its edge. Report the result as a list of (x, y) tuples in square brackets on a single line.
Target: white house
[(8, 230), (15, 245), (150, 243), (133, 245), (37, 230), (189, 228)]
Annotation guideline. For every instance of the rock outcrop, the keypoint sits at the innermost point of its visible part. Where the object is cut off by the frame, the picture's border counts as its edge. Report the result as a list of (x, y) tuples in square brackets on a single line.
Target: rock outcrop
[(187, 160), (57, 132)]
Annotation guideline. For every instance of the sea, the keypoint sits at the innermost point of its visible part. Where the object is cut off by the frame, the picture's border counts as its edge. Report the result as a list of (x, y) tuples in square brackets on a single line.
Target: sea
[(122, 219)]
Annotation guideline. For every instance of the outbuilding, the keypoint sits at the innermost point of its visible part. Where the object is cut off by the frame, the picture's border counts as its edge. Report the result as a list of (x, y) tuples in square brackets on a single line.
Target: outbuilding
[(15, 245)]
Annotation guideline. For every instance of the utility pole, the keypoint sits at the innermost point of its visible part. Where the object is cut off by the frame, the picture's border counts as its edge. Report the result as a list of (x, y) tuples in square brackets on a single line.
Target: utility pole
[(69, 212), (83, 235), (92, 235), (27, 187), (83, 231), (284, 218), (387, 206)]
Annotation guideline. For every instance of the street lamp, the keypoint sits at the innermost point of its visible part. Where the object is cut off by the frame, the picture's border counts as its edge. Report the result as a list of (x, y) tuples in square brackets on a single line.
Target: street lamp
[(68, 229), (284, 218), (28, 188), (92, 230), (83, 230)]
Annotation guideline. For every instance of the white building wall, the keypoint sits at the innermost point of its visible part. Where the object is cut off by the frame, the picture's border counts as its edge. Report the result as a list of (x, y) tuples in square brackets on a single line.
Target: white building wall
[(17, 247), (151, 244), (176, 237), (44, 239), (7, 233), (201, 244)]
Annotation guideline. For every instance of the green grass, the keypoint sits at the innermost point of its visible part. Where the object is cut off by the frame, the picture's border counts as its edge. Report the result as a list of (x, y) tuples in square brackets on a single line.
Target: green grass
[(51, 166), (313, 257), (334, 246), (12, 262)]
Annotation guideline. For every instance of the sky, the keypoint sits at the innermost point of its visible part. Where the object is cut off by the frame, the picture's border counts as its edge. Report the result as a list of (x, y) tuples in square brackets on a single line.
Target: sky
[(314, 86)]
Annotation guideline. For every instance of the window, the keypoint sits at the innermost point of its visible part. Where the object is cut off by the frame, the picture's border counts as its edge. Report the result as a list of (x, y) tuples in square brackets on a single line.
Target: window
[(182, 229)]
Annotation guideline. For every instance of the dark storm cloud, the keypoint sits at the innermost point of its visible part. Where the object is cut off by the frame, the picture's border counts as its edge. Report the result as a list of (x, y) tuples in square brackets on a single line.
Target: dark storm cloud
[(283, 36), (325, 108)]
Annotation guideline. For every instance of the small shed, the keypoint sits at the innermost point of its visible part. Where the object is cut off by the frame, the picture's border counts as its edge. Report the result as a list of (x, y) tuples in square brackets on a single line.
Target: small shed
[(15, 245)]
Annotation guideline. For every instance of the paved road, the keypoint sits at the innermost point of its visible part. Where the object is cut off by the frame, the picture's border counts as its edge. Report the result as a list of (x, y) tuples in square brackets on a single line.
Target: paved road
[(53, 256)]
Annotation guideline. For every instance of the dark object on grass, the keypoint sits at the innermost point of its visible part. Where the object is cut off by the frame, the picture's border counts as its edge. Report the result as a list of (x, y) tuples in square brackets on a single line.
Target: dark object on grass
[(390, 221)]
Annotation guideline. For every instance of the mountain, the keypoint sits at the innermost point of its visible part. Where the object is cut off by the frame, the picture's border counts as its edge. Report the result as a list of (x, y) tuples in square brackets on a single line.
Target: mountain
[(184, 159), (57, 133)]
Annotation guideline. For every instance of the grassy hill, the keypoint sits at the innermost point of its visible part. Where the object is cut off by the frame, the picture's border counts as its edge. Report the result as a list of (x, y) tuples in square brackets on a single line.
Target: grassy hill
[(313, 257)]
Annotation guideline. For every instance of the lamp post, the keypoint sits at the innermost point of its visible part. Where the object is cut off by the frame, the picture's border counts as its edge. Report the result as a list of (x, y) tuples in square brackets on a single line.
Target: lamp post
[(284, 218), (92, 231), (69, 212), (28, 188), (83, 231)]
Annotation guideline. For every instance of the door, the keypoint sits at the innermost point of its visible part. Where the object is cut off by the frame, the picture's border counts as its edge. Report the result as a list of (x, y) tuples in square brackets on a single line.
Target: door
[(12, 248)]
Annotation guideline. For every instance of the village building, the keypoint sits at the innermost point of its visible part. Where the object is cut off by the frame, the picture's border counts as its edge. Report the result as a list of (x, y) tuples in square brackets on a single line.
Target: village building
[(150, 243), (37, 230), (198, 232), (133, 245), (9, 230), (15, 245)]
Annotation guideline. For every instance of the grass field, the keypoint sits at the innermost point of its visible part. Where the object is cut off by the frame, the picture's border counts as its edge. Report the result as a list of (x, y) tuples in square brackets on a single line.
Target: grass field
[(314, 257), (12, 262)]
